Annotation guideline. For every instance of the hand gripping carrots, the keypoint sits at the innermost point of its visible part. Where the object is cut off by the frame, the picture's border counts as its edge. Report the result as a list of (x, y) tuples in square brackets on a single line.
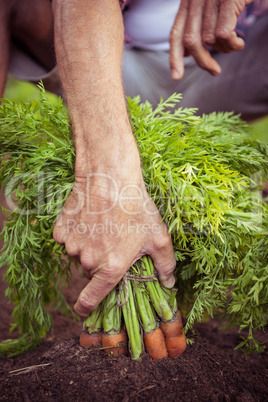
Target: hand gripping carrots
[(140, 313)]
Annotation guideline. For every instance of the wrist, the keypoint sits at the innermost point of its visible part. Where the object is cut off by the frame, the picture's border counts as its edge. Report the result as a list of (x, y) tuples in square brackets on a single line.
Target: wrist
[(115, 154)]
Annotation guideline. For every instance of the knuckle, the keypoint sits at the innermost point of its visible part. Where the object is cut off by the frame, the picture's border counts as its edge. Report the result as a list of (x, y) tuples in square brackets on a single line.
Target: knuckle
[(190, 41), (58, 235), (85, 304), (208, 38), (113, 262), (223, 33), (162, 242), (72, 248), (174, 34), (112, 274), (87, 261), (170, 267)]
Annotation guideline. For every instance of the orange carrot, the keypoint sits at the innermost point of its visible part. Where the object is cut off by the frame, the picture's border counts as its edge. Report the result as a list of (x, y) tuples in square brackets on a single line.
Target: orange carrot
[(89, 340), (176, 346), (173, 328), (155, 344), (175, 339), (118, 343)]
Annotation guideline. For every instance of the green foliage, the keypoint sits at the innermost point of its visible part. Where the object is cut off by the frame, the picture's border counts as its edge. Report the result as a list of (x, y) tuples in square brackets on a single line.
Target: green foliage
[(260, 129), (202, 174), (37, 158), (23, 91)]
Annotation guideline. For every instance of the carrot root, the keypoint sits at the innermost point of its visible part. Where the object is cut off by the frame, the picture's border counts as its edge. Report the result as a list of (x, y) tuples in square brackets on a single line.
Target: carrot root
[(89, 340), (117, 343), (176, 346), (172, 329), (155, 344), (175, 339)]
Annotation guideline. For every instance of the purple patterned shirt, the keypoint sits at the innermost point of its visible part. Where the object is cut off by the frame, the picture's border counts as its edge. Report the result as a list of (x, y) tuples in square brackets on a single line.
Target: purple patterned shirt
[(247, 18)]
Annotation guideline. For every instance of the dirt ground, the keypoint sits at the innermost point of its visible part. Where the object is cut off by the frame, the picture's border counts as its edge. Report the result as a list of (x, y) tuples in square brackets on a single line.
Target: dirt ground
[(209, 370)]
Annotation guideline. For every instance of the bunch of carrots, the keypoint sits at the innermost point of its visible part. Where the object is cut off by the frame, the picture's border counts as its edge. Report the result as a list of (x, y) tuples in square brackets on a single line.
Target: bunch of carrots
[(141, 314)]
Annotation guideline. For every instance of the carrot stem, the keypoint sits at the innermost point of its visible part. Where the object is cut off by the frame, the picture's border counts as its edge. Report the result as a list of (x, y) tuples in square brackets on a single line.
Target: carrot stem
[(170, 295), (111, 321), (93, 323), (92, 326), (147, 316), (158, 298), (132, 324)]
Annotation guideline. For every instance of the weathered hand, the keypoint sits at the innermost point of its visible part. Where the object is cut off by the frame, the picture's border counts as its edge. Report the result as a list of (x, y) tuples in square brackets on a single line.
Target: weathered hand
[(107, 225), (101, 225), (200, 23)]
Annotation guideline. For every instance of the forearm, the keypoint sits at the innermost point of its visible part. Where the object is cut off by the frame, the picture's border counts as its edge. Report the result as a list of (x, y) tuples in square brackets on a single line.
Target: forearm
[(89, 47)]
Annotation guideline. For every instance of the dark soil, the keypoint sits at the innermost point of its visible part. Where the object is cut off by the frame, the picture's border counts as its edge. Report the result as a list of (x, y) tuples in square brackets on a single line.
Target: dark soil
[(209, 370), (67, 372)]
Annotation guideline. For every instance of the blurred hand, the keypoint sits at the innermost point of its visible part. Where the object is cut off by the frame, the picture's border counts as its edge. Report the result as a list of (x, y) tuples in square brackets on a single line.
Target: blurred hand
[(200, 23), (107, 225)]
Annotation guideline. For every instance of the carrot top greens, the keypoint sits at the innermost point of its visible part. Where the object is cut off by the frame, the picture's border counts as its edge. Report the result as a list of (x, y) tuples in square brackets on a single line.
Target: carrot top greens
[(204, 175)]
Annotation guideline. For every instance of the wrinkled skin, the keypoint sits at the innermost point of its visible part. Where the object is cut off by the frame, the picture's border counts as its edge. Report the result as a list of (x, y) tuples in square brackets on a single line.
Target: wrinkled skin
[(115, 228)]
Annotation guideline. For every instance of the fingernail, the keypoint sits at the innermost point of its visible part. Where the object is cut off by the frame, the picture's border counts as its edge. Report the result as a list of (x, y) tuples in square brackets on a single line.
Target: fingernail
[(175, 74), (168, 283)]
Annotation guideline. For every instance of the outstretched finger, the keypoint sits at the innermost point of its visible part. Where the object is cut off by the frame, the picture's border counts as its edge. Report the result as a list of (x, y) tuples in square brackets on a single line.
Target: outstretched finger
[(209, 23), (193, 38), (177, 50)]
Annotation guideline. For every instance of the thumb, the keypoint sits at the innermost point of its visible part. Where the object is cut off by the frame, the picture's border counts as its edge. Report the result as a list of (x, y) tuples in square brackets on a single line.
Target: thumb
[(163, 257)]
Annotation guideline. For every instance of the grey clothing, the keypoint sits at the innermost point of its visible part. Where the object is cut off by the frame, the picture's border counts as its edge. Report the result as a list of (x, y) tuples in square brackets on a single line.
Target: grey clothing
[(241, 87)]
